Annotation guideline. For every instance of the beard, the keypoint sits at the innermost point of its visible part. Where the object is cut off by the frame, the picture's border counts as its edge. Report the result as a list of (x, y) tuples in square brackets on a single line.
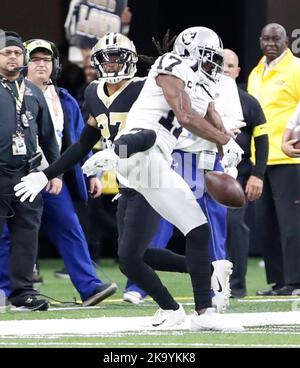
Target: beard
[(10, 73), (13, 73)]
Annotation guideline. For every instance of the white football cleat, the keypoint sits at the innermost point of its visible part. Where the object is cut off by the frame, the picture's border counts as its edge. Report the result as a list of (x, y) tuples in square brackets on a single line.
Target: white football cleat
[(101, 161), (212, 321), (133, 297), (169, 317), (220, 284)]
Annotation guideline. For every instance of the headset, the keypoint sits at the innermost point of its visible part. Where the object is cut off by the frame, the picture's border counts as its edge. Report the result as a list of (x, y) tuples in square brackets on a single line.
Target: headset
[(37, 43)]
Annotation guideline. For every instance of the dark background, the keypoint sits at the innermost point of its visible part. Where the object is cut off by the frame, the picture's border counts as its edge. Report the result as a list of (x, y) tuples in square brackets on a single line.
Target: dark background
[(238, 23)]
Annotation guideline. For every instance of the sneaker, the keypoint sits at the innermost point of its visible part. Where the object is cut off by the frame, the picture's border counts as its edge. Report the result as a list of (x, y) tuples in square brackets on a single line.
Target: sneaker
[(100, 161), (220, 284), (102, 292), (29, 303), (212, 321), (133, 297), (168, 317), (269, 292), (62, 274)]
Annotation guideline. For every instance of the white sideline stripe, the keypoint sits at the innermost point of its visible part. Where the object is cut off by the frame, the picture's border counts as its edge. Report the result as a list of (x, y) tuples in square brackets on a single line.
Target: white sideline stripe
[(106, 325), (160, 344)]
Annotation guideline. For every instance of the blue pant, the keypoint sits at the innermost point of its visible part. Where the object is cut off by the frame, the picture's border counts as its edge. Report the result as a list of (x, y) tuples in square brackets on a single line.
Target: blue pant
[(4, 255), (62, 227), (216, 214)]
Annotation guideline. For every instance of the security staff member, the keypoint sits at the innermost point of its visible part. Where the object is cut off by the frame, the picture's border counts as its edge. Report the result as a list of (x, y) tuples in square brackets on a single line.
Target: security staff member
[(275, 83), (24, 120)]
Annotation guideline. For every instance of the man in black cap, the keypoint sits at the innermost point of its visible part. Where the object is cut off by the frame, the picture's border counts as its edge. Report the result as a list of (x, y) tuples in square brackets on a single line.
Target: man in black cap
[(24, 120)]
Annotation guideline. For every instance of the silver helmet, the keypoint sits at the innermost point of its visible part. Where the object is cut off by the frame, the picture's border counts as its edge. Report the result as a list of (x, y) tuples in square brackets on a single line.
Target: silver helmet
[(114, 48), (203, 49)]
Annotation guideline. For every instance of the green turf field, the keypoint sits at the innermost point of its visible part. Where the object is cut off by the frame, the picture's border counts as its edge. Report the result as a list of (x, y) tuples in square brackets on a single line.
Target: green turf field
[(179, 285)]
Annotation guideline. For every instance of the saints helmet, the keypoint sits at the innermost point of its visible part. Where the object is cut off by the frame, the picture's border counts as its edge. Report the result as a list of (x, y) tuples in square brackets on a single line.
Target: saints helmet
[(114, 48), (199, 46)]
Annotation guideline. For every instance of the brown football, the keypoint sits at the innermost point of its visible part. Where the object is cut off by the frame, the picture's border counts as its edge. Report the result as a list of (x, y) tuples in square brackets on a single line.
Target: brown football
[(224, 189), (296, 135)]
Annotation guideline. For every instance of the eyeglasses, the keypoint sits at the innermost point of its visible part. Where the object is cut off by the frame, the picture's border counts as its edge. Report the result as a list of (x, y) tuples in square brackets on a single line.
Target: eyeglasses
[(8, 53), (37, 60)]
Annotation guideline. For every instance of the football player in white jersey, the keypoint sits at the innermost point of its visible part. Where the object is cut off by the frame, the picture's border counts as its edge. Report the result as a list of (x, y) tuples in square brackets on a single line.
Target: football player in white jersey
[(174, 96), (193, 156)]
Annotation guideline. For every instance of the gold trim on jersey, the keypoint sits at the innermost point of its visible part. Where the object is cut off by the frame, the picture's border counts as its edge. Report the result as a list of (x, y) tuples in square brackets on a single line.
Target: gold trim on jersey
[(108, 100), (260, 130)]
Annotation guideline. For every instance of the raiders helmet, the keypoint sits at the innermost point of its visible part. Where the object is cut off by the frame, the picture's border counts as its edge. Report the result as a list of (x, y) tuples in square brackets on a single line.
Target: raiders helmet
[(114, 48), (200, 46)]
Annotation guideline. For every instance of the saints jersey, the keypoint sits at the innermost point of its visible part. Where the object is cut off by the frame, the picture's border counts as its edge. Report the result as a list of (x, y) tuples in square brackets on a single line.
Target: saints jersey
[(151, 110), (110, 112)]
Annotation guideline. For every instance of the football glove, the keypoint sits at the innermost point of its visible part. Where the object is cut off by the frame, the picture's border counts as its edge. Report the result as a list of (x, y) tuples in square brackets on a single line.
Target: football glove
[(99, 162), (232, 154), (232, 171), (30, 186)]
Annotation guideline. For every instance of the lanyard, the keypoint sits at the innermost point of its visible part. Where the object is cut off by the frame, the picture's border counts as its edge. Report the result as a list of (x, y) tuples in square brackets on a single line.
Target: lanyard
[(18, 99)]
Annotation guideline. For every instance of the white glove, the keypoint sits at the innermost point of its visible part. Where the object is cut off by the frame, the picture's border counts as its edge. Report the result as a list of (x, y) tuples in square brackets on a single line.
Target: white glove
[(99, 162), (30, 186), (232, 154), (232, 171), (231, 124)]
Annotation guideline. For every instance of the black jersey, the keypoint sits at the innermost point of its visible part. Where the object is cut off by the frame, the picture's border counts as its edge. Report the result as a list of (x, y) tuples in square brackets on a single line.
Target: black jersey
[(110, 112), (254, 117)]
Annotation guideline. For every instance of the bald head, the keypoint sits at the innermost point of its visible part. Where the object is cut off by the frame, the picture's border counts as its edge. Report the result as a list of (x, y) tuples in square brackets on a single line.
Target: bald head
[(274, 26), (231, 64), (273, 41)]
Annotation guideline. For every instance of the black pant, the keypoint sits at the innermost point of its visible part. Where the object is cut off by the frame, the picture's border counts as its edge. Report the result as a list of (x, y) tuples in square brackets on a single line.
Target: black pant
[(137, 224), (23, 220), (103, 233), (278, 223)]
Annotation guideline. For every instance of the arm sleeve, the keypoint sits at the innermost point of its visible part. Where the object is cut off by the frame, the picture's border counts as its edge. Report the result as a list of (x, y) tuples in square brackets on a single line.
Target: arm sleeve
[(261, 155), (75, 153), (261, 140)]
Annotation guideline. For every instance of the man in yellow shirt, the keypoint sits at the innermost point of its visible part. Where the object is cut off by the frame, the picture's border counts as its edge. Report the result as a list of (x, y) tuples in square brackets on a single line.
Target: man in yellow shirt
[(275, 82)]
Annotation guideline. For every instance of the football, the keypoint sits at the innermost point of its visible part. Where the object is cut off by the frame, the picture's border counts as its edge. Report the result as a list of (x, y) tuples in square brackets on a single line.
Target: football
[(296, 135), (224, 189)]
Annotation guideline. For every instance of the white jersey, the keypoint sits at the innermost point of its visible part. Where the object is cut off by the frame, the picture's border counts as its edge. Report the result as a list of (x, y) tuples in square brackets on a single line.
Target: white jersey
[(151, 110), (228, 105)]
